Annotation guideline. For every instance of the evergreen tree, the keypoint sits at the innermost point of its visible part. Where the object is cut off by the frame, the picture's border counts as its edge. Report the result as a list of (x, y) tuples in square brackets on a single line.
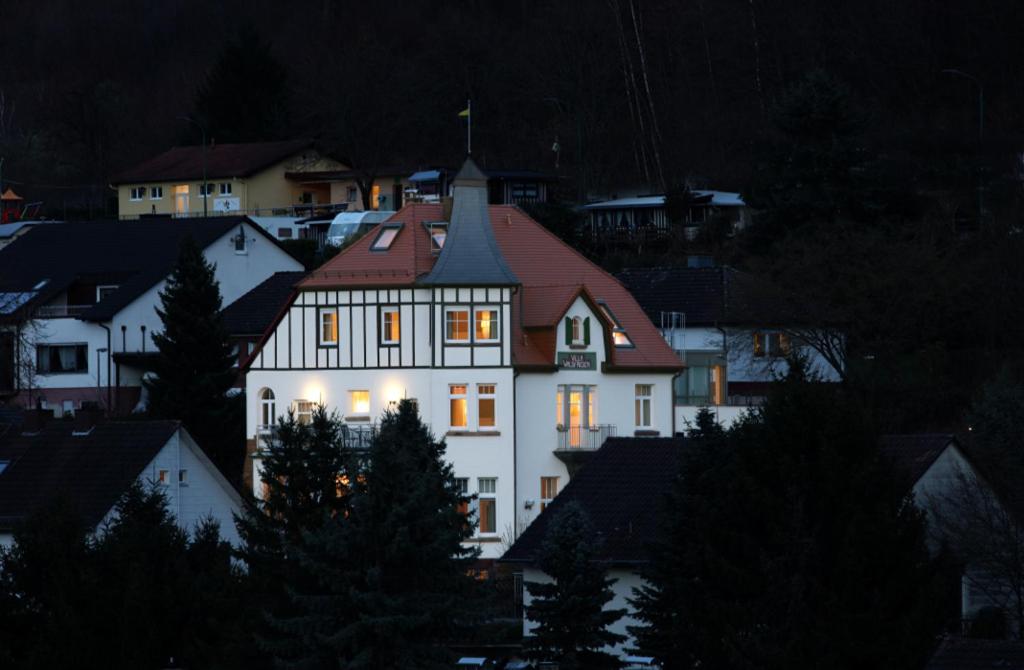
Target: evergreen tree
[(308, 476), (194, 367), (392, 575), (244, 97), (572, 622), (788, 543)]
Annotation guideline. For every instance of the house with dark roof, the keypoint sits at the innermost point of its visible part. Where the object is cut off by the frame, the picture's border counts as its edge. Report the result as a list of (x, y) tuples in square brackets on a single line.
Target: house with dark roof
[(521, 353), (646, 216), (90, 463), (78, 302), (955, 653), (730, 330), (258, 178), (622, 490)]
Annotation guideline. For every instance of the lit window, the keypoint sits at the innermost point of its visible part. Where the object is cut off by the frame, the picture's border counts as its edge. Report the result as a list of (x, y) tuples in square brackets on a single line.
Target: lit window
[(156, 193), (304, 411), (457, 403), (774, 344), (361, 402), (485, 406), (375, 197), (225, 188), (268, 415), (138, 193), (328, 327), (390, 332), (620, 339), (486, 325), (488, 487), (643, 405), (385, 238), (164, 477), (462, 487), (548, 491), (456, 325), (183, 477)]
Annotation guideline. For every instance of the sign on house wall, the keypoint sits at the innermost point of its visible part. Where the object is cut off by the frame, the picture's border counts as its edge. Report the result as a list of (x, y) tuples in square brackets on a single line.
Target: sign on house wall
[(577, 360), (226, 205)]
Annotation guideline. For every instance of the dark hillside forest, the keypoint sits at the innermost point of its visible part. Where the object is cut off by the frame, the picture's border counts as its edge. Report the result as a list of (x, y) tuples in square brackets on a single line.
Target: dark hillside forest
[(647, 92)]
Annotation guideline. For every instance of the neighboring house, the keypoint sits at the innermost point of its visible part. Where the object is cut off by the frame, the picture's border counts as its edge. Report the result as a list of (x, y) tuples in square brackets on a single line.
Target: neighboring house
[(91, 463), (504, 187), (622, 490), (646, 215), (955, 653), (720, 324), (937, 468), (248, 317), (259, 178), (77, 302), (389, 186), (521, 353)]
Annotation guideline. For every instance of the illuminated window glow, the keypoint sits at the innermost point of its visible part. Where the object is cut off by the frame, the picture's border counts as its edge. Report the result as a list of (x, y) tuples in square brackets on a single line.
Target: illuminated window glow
[(487, 325), (456, 325), (457, 403), (360, 402)]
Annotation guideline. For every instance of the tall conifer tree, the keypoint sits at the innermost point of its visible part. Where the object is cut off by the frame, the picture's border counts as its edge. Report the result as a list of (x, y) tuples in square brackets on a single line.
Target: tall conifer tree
[(194, 366)]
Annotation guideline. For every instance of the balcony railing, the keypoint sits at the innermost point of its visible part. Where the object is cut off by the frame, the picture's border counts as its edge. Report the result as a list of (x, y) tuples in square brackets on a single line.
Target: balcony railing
[(59, 311), (584, 437)]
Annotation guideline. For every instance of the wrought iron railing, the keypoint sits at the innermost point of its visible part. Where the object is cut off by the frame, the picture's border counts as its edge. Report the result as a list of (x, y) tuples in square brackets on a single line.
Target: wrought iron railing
[(58, 311), (584, 437)]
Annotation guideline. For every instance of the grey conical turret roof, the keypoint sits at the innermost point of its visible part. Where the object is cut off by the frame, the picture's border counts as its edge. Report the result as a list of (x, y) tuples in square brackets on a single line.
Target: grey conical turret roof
[(470, 256)]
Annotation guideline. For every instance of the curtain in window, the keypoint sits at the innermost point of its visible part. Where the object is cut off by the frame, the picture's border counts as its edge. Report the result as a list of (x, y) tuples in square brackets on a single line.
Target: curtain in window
[(68, 358)]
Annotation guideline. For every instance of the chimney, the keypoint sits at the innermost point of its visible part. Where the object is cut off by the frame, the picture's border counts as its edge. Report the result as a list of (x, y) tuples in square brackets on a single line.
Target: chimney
[(33, 420), (86, 419)]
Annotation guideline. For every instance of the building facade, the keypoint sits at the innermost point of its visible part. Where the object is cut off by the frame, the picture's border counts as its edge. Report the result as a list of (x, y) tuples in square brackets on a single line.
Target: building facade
[(520, 353)]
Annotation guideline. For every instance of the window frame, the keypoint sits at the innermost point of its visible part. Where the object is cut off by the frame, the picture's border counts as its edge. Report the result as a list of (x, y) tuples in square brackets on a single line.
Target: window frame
[(454, 397), (355, 412), (617, 330), (377, 246), (137, 193), (228, 190), (432, 228), (492, 395), (303, 408), (321, 342), (495, 324), (490, 497), (469, 334), (385, 311), (462, 487), (263, 428), (576, 338), (78, 370), (206, 190), (545, 501), (643, 397), (102, 287), (156, 192)]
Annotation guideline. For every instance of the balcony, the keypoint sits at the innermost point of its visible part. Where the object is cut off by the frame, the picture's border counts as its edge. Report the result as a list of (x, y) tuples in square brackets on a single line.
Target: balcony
[(575, 444), (357, 437), (61, 311)]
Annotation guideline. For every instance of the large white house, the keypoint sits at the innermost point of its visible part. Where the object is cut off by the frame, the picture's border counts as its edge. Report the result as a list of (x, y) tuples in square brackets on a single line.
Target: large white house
[(78, 302), (522, 354)]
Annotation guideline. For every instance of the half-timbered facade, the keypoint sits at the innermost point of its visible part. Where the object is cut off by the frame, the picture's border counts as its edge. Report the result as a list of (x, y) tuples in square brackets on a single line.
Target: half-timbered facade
[(519, 352)]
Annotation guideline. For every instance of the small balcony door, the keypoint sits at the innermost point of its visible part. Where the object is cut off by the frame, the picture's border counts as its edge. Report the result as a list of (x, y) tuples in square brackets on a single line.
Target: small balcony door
[(181, 200)]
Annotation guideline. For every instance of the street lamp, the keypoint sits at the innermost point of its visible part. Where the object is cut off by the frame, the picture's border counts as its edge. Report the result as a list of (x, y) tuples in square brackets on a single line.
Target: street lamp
[(981, 130), (202, 129)]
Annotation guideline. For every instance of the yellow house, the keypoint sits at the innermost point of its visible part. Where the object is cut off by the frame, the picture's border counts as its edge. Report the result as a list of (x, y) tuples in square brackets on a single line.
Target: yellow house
[(260, 178), (389, 187)]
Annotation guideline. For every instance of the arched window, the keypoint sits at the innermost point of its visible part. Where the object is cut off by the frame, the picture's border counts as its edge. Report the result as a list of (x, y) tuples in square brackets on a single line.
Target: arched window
[(577, 330), (268, 413)]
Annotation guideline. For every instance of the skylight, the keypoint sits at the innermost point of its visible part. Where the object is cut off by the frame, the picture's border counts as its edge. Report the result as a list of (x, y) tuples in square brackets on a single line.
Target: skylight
[(619, 336), (386, 237)]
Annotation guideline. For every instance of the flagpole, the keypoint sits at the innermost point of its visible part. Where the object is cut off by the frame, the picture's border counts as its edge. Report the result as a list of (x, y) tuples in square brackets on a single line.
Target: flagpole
[(469, 127)]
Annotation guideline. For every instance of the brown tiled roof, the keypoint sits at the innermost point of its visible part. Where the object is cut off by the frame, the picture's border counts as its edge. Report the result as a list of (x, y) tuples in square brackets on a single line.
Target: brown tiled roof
[(222, 161), (550, 273), (622, 488), (91, 471)]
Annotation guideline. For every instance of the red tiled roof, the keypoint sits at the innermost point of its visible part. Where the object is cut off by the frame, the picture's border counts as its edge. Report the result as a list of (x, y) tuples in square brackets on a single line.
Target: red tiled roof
[(552, 274), (222, 160)]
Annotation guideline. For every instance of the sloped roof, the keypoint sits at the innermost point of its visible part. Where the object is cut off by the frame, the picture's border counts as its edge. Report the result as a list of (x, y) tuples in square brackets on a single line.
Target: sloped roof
[(708, 296), (135, 255), (222, 161), (969, 654), (470, 256), (622, 488), (548, 270), (913, 454), (91, 471), (253, 312)]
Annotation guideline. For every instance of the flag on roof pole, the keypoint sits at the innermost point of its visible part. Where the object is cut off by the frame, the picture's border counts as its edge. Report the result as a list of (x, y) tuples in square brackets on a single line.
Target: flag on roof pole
[(467, 113)]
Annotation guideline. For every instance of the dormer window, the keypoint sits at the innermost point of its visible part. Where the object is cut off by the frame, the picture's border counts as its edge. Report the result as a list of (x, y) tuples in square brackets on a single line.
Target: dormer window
[(240, 241), (386, 237), (438, 231), (619, 336)]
